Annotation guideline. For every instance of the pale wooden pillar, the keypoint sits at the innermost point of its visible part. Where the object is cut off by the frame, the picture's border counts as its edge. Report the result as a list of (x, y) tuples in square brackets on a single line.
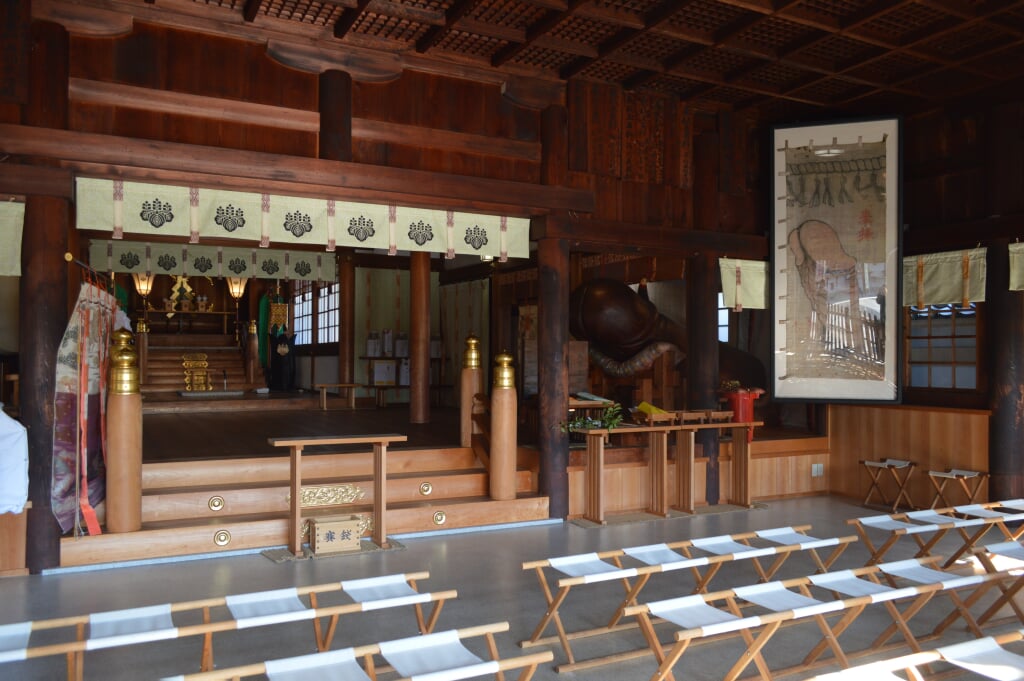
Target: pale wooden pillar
[(503, 430), (470, 386), (124, 438), (419, 337)]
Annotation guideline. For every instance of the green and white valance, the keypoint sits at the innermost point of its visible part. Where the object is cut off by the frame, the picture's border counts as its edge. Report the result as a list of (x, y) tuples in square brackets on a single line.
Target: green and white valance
[(195, 213), (945, 278), (744, 283), (210, 261), (1017, 267)]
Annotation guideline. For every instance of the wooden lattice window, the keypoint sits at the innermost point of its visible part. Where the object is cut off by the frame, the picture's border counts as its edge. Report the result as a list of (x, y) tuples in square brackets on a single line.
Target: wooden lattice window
[(942, 346), (327, 313), (302, 305)]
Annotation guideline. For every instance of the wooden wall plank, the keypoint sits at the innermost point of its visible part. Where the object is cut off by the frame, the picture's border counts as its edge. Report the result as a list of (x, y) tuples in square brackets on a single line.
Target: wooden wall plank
[(934, 438)]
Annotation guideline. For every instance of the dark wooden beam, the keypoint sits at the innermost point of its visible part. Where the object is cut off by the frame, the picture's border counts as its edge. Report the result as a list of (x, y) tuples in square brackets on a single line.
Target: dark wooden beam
[(599, 236), (535, 31), (348, 18), (35, 181), (435, 34), (170, 162), (250, 10)]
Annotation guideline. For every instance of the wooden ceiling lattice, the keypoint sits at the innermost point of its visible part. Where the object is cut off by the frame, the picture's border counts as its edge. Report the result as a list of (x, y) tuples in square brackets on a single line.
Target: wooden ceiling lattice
[(783, 58)]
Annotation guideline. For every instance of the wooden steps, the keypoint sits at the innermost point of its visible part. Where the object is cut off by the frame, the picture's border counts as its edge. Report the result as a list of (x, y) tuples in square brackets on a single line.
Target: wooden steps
[(164, 371), (197, 507)]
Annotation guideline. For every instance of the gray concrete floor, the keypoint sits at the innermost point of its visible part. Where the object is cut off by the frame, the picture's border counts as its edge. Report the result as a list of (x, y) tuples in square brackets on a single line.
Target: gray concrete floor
[(486, 569)]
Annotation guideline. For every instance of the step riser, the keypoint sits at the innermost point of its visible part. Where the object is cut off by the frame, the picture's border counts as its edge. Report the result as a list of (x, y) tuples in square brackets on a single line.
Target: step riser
[(236, 502), (110, 548)]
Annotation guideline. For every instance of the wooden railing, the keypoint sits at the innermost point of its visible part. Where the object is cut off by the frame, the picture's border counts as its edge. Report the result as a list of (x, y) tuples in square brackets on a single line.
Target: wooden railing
[(380, 447)]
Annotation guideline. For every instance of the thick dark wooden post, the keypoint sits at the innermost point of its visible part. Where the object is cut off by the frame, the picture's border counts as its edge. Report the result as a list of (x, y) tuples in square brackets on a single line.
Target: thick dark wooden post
[(43, 297), (1005, 351), (553, 372), (702, 355), (335, 116), (346, 318), (419, 338), (43, 302)]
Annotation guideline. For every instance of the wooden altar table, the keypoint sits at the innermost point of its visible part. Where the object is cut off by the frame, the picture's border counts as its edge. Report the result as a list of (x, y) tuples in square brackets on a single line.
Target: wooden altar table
[(658, 445)]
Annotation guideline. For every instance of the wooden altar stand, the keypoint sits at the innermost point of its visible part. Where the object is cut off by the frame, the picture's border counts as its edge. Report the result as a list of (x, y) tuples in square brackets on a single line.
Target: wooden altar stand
[(657, 442)]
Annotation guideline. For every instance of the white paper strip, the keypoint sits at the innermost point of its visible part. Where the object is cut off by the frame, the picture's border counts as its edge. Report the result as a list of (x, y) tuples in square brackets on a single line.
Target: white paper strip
[(12, 219)]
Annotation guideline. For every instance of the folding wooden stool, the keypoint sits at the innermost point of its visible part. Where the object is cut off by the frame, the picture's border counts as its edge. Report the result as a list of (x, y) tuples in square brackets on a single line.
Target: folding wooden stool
[(900, 470), (970, 483)]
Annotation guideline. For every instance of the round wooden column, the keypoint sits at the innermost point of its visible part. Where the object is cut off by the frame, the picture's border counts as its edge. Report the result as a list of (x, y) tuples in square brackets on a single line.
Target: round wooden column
[(43, 305), (702, 356), (124, 438), (1005, 352), (503, 429), (419, 338), (553, 373), (469, 387), (346, 318)]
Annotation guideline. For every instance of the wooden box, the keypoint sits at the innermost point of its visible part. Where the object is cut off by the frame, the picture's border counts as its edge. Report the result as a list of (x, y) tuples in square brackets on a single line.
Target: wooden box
[(335, 534)]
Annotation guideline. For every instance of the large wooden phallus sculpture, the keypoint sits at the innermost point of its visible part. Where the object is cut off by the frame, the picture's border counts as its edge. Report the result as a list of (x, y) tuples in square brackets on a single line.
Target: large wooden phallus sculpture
[(626, 334)]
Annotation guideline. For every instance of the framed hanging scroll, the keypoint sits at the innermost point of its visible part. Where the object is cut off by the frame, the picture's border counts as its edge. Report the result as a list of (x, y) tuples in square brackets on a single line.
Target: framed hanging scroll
[(836, 261)]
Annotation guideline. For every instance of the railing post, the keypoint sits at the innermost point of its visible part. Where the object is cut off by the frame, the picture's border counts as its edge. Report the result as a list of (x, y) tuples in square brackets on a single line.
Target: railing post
[(503, 430), (124, 438), (142, 347), (252, 353), (471, 386)]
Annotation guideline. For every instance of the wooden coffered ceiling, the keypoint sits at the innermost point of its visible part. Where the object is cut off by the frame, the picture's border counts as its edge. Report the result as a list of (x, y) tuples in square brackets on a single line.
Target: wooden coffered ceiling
[(777, 58)]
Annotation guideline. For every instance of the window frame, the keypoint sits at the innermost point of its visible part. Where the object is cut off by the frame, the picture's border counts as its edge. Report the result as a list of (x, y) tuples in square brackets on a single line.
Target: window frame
[(967, 398)]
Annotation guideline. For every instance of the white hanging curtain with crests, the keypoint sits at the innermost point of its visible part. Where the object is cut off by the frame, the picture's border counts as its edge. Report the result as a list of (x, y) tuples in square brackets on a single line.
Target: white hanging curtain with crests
[(944, 278), (12, 218), (1017, 267), (744, 283), (140, 211)]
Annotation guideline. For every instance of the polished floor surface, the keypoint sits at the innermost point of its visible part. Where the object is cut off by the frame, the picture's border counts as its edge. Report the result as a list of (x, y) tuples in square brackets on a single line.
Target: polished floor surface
[(486, 569)]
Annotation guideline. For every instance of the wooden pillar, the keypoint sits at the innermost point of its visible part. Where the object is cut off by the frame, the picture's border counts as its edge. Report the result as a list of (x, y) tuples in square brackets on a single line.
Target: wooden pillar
[(43, 304), (702, 356), (1005, 353), (43, 292), (553, 372), (335, 106), (504, 417), (470, 386), (124, 438), (419, 337), (346, 318)]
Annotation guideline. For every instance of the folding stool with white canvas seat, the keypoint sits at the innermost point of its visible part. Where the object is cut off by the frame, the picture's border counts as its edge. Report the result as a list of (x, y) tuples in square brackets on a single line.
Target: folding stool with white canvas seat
[(441, 656), (668, 557), (698, 618), (928, 527), (986, 657), (899, 470), (155, 623), (1015, 552)]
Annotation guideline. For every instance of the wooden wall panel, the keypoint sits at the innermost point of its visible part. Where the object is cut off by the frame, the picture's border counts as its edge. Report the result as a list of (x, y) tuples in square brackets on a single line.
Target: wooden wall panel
[(934, 438)]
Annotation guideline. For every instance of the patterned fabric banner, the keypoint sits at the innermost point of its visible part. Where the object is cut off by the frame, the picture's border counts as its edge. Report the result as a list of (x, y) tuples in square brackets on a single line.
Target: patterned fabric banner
[(194, 214), (210, 261)]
